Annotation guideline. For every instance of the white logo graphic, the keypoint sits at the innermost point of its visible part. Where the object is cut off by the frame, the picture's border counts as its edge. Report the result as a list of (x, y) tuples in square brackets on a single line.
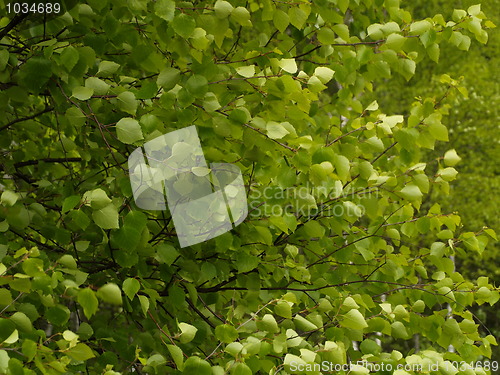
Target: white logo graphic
[(203, 202)]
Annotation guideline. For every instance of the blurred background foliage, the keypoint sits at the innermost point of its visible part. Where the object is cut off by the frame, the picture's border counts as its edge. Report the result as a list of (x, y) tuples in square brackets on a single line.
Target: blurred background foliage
[(474, 134)]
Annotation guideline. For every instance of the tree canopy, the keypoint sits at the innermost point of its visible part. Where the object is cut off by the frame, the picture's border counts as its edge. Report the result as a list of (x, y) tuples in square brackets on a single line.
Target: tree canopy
[(346, 256)]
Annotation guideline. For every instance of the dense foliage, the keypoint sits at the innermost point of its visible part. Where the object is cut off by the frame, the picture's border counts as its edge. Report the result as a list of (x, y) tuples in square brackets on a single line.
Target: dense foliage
[(342, 257)]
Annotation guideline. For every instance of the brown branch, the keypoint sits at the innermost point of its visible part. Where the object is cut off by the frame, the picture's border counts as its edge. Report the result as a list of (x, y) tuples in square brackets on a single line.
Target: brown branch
[(46, 160), (47, 109)]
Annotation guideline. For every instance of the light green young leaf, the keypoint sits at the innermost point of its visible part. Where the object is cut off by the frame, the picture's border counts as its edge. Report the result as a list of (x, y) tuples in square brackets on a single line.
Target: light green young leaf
[(80, 352), (131, 287), (98, 85), (110, 293), (9, 198), (83, 93), (246, 71), (420, 27), (129, 130), (354, 319), (198, 366), (165, 9), (168, 78), (324, 74), (107, 68), (241, 16), (281, 20), (226, 333), (223, 8), (69, 57), (106, 217), (87, 299), (127, 102), (144, 301), (188, 332), (184, 25), (276, 130), (288, 65), (411, 192), (451, 158)]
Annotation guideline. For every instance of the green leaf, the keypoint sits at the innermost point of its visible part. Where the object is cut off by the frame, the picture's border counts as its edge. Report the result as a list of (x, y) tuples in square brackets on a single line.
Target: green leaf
[(57, 315), (128, 130), (165, 9), (9, 198), (268, 323), (29, 349), (131, 287), (283, 309), (168, 78), (22, 322), (96, 198), (166, 253), (325, 36), (83, 93), (246, 71), (107, 68), (106, 217), (433, 52), (226, 333), (69, 57), (88, 300), (68, 261), (303, 324), (223, 8), (298, 17), (276, 130), (198, 366), (184, 25), (4, 59), (451, 158), (197, 85), (148, 90), (246, 262), (240, 115), (7, 327), (411, 192), (354, 319), (98, 85), (35, 73), (342, 166), (288, 65), (177, 356), (241, 16), (240, 368), (474, 10), (127, 102), (80, 352), (110, 293), (407, 68), (395, 42), (448, 174), (75, 117), (210, 102), (144, 301), (324, 74), (281, 20), (439, 131), (70, 203), (420, 27), (398, 331), (188, 332)]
